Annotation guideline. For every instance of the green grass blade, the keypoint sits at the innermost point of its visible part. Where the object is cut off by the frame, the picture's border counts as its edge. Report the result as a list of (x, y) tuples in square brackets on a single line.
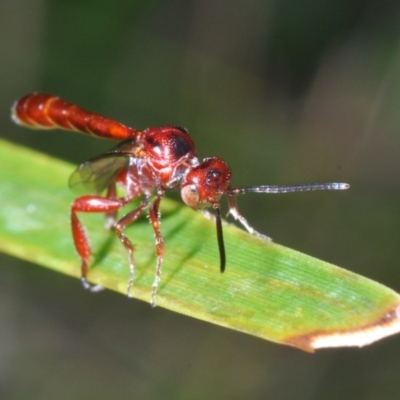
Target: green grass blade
[(268, 290)]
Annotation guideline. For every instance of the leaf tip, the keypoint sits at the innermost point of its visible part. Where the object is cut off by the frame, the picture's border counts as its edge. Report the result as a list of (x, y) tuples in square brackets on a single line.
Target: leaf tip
[(388, 324)]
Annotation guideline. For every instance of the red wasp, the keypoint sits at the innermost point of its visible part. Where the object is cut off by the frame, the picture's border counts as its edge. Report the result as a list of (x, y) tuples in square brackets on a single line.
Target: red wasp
[(145, 164)]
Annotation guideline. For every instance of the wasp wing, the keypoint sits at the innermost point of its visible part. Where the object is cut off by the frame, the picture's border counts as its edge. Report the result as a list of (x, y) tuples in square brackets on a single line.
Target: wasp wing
[(95, 175)]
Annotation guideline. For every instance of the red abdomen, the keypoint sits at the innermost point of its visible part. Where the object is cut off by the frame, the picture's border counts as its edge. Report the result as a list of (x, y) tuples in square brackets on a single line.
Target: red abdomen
[(44, 111)]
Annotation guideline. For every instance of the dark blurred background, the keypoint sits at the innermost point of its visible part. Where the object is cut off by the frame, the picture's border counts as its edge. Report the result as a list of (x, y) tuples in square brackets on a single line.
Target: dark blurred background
[(287, 91)]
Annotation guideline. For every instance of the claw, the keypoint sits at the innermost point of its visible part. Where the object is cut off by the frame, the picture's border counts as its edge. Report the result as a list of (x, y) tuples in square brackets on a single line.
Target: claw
[(92, 288)]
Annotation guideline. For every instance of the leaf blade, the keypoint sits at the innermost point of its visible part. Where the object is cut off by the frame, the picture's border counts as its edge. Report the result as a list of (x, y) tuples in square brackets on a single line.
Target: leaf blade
[(268, 290)]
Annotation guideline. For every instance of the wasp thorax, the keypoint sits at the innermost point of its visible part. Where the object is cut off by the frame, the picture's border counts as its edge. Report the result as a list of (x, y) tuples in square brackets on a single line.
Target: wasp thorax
[(168, 144)]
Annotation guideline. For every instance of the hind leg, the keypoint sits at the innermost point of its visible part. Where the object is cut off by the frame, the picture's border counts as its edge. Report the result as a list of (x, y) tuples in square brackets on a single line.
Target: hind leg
[(89, 204)]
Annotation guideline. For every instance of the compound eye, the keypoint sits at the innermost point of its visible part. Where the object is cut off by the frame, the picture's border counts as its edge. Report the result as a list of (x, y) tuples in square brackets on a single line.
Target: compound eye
[(190, 195)]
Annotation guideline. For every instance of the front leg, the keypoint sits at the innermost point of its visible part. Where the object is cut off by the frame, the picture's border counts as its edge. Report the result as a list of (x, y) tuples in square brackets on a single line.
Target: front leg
[(233, 210)]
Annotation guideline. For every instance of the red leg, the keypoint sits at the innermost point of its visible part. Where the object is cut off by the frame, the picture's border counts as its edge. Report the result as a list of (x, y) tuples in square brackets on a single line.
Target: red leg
[(119, 227), (154, 215), (90, 204)]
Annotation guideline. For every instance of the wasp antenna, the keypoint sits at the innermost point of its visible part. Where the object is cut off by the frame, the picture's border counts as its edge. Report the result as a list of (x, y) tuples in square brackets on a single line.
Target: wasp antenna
[(220, 237), (289, 188)]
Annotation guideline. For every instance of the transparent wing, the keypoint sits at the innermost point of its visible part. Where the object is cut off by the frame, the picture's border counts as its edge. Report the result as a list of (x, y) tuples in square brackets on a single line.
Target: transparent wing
[(95, 175)]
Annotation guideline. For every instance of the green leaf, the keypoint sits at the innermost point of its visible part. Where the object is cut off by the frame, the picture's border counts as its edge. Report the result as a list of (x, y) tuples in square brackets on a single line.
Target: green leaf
[(268, 290)]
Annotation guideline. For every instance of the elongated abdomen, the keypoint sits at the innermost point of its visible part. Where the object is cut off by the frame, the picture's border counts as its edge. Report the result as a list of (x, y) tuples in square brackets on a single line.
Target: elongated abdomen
[(44, 111)]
